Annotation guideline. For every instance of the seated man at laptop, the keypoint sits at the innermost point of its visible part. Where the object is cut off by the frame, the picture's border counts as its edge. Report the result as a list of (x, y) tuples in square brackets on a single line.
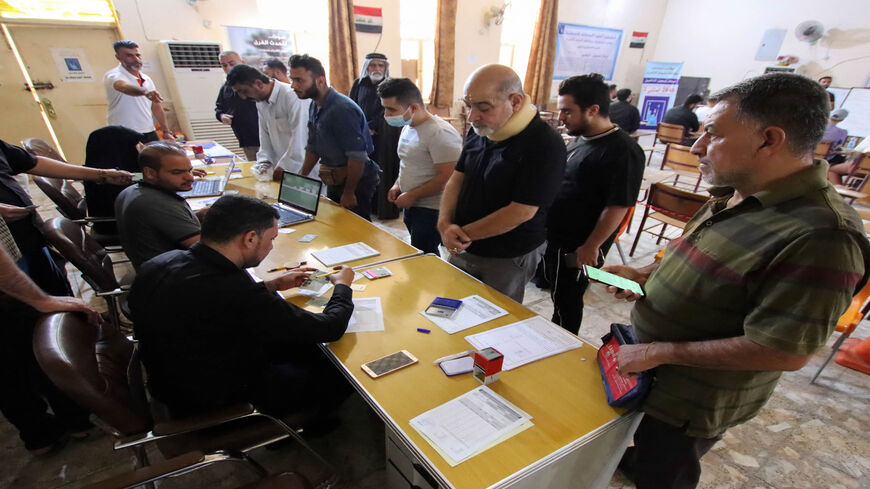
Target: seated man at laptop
[(210, 335), (152, 217)]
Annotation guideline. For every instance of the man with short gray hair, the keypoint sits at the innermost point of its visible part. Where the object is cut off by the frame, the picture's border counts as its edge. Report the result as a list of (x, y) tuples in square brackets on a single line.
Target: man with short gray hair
[(753, 287), (238, 113), (494, 207)]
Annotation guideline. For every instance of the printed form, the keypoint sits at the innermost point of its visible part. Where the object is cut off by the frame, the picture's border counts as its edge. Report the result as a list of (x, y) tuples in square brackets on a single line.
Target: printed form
[(526, 341), (473, 311), (343, 254), (470, 424), (367, 316)]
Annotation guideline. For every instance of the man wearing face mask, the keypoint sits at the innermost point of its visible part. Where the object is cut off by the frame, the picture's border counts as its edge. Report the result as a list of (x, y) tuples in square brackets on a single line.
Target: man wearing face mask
[(385, 137), (494, 207), (428, 147)]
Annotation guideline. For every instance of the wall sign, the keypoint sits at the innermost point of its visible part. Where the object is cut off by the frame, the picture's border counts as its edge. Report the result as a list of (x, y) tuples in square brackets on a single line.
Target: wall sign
[(257, 45), (72, 65), (582, 49), (657, 94)]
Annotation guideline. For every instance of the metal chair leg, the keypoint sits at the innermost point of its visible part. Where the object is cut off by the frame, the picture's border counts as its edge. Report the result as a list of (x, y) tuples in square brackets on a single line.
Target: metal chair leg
[(621, 253), (662, 234), (834, 350)]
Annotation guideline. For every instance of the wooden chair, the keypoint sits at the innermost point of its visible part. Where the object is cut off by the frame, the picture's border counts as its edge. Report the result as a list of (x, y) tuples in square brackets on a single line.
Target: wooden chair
[(857, 179), (623, 227), (666, 133), (680, 159), (822, 150), (847, 324), (669, 206)]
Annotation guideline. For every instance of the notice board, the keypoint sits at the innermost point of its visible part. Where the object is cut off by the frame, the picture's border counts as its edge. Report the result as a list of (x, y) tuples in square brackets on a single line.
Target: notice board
[(858, 105), (582, 49)]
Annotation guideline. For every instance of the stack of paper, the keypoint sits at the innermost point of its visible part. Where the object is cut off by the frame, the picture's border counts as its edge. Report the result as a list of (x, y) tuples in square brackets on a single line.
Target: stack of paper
[(471, 423), (474, 310), (343, 254), (526, 341), (367, 316)]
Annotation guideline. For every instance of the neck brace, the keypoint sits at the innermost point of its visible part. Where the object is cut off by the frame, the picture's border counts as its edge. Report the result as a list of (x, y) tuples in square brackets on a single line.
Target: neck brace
[(517, 122)]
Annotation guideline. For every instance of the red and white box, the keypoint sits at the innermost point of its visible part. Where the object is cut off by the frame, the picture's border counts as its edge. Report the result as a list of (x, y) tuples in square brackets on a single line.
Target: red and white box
[(487, 365)]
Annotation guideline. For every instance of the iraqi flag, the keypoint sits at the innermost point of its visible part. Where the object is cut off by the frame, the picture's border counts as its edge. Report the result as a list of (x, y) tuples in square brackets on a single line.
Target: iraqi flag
[(368, 19)]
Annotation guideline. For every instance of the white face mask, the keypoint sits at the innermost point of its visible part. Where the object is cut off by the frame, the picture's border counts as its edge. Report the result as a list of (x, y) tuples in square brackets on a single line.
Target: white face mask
[(376, 76)]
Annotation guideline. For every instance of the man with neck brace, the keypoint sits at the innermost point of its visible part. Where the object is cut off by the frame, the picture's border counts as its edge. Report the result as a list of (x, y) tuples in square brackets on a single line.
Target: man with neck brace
[(384, 137), (494, 207)]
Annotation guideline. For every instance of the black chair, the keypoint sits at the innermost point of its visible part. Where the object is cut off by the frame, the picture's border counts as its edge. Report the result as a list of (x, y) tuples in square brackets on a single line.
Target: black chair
[(110, 147)]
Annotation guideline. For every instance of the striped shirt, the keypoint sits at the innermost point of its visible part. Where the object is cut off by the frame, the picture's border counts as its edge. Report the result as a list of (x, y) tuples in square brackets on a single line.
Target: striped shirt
[(779, 268)]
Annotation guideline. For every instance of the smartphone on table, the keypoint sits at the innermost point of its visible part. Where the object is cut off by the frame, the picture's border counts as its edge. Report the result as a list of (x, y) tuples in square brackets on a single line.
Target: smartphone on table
[(390, 363)]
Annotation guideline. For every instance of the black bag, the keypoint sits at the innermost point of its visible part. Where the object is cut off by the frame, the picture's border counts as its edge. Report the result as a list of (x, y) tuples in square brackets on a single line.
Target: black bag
[(621, 392)]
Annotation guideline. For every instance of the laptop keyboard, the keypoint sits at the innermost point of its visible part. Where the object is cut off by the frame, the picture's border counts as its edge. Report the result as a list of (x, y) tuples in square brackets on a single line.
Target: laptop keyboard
[(203, 187), (288, 217)]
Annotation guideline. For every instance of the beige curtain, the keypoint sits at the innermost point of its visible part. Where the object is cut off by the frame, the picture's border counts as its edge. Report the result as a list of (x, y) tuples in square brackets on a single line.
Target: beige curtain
[(542, 57), (445, 41), (343, 67)]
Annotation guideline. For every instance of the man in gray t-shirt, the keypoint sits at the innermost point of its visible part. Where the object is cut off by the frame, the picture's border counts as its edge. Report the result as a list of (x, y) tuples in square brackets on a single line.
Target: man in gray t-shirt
[(428, 148), (152, 217)]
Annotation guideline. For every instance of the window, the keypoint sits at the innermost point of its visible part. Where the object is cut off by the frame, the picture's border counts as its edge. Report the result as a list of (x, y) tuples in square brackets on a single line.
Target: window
[(417, 30), (307, 20), (98, 11), (517, 30)]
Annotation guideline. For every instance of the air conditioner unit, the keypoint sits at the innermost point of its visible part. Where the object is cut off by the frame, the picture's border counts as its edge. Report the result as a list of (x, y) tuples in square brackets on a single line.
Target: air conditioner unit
[(195, 76)]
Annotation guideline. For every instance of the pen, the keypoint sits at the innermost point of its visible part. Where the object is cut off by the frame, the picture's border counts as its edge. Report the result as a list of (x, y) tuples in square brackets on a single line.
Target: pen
[(423, 330), (454, 356), (326, 274), (209, 173), (278, 269)]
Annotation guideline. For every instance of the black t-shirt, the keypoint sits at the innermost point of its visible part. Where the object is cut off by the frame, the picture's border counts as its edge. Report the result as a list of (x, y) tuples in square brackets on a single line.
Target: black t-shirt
[(601, 172), (682, 116), (14, 160), (526, 169), (625, 115)]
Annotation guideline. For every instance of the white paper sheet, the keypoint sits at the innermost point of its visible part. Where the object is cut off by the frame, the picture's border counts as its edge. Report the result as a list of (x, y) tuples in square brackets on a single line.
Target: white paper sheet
[(343, 254), (469, 424), (474, 310), (367, 316), (526, 341)]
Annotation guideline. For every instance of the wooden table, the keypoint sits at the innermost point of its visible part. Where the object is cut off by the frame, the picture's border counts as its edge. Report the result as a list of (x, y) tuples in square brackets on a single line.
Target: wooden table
[(651, 176), (849, 194), (576, 439)]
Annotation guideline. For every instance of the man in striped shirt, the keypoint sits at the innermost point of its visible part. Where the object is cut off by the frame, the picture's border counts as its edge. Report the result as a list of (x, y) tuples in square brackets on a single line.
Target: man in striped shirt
[(753, 287)]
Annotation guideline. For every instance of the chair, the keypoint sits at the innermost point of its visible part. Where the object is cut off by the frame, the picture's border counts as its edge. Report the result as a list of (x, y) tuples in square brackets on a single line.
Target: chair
[(40, 147), (847, 323), (181, 465), (91, 259), (666, 133), (822, 150), (99, 369), (623, 227), (68, 200), (685, 164), (671, 207), (857, 178)]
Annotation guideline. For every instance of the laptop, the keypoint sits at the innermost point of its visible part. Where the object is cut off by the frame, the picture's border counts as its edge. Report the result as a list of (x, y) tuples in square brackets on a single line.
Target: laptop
[(298, 199), (207, 188)]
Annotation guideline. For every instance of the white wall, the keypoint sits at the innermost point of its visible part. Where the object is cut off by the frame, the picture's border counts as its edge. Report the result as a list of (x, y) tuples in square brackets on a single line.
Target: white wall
[(476, 45), (719, 40), (628, 15)]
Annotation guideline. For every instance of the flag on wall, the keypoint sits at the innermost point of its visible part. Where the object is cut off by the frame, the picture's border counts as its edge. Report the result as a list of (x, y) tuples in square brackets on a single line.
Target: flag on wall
[(368, 19), (638, 39)]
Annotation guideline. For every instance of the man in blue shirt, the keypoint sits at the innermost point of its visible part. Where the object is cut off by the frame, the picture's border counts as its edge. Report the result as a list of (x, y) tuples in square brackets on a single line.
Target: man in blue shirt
[(338, 137)]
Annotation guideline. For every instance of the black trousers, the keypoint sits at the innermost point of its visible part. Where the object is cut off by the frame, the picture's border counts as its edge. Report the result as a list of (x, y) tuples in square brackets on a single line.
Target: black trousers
[(365, 191), (567, 286), (25, 391), (664, 457)]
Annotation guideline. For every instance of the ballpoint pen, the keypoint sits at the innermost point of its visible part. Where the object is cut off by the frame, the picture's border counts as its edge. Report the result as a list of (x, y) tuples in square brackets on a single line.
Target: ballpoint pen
[(454, 356)]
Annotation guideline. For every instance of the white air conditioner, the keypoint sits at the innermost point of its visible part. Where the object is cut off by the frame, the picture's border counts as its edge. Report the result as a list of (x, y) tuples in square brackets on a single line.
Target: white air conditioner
[(195, 76)]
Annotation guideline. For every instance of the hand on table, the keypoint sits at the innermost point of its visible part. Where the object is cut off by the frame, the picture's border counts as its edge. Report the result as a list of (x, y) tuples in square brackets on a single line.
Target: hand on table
[(629, 273), (12, 213), (199, 172), (293, 278), (348, 200), (54, 303), (277, 174)]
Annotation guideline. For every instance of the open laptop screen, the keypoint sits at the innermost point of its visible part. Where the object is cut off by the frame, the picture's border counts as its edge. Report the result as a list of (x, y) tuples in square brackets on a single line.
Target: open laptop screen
[(300, 192)]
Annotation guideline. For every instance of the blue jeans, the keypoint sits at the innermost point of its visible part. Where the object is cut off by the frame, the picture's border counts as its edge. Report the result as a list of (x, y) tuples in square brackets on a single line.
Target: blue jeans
[(422, 223)]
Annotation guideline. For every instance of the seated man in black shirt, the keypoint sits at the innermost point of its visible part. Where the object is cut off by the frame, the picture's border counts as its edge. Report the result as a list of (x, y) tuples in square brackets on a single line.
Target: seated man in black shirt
[(684, 115), (623, 114), (210, 335), (494, 207), (602, 179)]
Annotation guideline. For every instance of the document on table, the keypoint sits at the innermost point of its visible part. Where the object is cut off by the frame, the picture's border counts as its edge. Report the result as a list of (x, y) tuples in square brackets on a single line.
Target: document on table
[(367, 316), (473, 422), (346, 253), (526, 341), (474, 310)]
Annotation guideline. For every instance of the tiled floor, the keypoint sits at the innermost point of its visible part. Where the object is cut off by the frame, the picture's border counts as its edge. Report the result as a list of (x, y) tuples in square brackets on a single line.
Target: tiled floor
[(808, 436)]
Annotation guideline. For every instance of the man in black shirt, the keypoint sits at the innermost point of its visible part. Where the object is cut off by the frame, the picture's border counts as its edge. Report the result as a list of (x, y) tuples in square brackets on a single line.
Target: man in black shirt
[(602, 180), (684, 115), (210, 335), (623, 114), (494, 207), (239, 113)]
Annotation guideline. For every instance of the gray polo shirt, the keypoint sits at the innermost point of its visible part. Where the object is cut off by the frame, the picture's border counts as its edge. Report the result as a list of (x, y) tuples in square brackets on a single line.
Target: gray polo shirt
[(421, 147), (152, 220)]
